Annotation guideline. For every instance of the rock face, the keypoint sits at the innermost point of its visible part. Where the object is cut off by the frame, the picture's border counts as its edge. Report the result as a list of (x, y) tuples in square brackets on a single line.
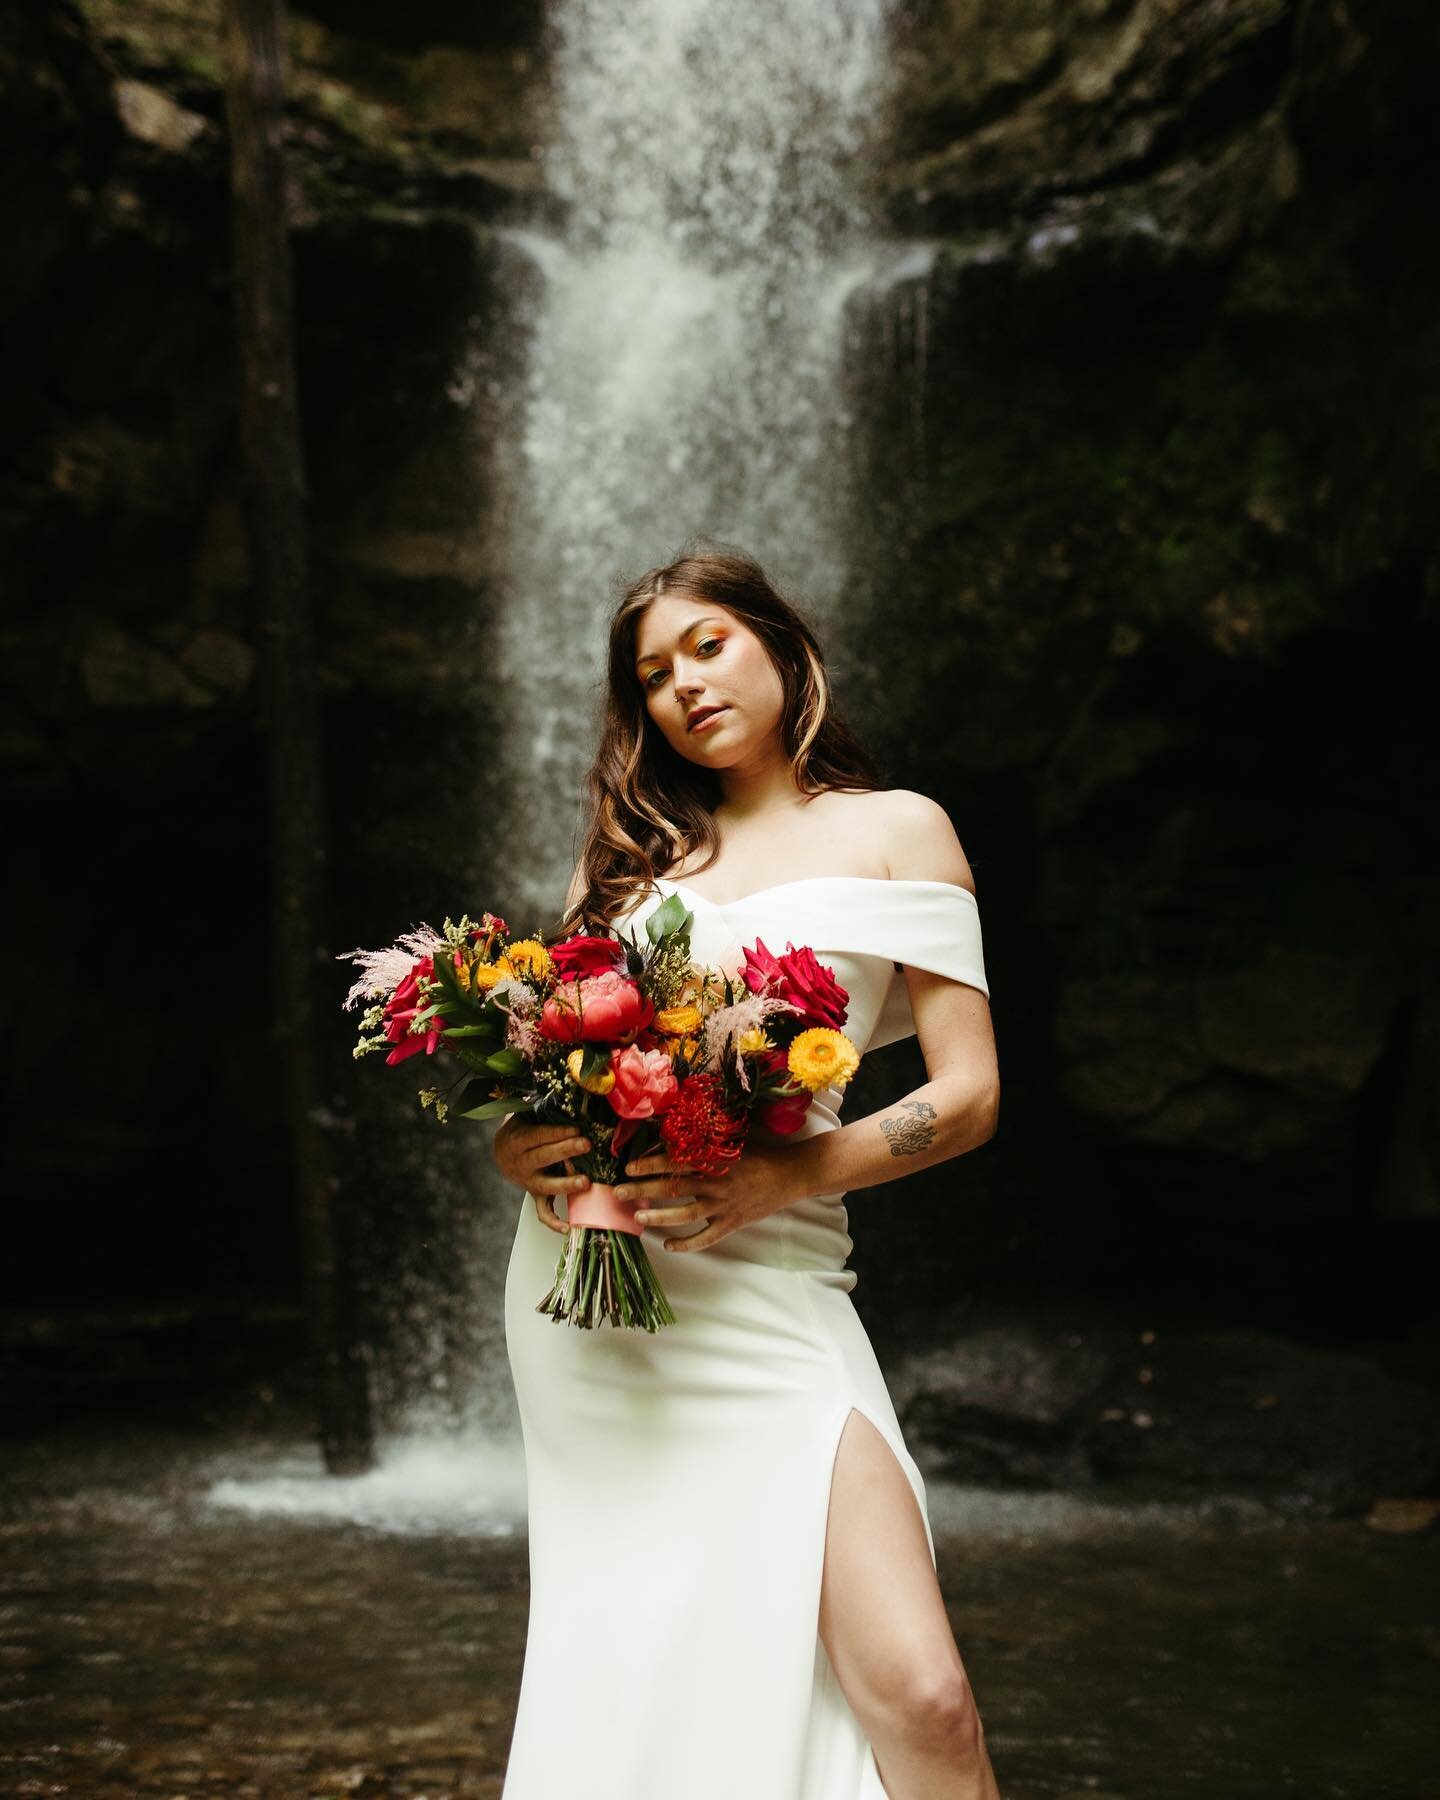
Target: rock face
[(1148, 599), (1162, 476), (1173, 1414)]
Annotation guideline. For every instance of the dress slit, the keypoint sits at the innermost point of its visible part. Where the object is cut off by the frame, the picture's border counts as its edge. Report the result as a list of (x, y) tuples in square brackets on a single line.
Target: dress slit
[(839, 1758)]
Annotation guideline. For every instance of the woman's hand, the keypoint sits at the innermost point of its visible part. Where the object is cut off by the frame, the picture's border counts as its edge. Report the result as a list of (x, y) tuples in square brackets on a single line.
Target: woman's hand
[(761, 1182), (524, 1148)]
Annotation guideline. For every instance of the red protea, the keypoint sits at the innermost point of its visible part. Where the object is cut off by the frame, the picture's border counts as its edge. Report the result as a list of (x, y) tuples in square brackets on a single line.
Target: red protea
[(697, 1130)]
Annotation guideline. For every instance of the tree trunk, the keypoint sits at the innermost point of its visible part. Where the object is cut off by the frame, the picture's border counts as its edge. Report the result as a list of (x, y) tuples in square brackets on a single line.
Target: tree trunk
[(275, 507)]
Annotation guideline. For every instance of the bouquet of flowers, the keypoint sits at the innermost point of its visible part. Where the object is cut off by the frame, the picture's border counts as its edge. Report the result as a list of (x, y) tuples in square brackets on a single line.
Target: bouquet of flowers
[(636, 1047)]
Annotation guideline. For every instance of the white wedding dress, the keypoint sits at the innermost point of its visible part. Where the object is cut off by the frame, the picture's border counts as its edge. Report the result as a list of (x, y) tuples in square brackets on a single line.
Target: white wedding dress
[(679, 1482)]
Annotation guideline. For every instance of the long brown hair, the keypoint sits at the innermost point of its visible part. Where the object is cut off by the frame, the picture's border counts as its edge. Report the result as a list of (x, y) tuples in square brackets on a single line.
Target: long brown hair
[(649, 807)]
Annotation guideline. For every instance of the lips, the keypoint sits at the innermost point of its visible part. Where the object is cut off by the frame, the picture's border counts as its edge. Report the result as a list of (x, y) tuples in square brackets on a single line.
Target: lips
[(699, 716)]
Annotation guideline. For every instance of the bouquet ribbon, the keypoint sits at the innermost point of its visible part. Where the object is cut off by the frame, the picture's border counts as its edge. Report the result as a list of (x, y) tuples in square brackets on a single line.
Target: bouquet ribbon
[(598, 1206)]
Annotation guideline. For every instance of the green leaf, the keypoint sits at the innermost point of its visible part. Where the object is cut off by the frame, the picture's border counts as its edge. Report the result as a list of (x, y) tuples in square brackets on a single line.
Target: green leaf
[(470, 1031), (506, 1062), (672, 914), (444, 971), (490, 1109), (456, 997)]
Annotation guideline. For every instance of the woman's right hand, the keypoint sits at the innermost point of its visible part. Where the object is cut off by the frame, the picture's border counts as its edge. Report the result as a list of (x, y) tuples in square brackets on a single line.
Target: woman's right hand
[(525, 1148)]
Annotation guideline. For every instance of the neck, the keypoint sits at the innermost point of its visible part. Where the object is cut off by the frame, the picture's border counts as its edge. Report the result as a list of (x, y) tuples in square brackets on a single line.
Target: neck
[(752, 790)]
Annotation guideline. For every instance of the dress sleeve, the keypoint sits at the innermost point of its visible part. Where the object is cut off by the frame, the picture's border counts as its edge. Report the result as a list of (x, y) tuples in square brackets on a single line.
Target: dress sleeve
[(937, 927)]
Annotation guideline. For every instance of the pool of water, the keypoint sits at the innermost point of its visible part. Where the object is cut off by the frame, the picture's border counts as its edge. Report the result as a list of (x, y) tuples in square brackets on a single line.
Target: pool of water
[(188, 1616)]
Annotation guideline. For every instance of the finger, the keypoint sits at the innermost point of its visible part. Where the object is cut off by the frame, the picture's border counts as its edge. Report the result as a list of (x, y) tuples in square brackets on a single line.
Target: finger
[(568, 1183), (668, 1186), (672, 1215), (701, 1240), (557, 1149), (547, 1215), (542, 1136), (660, 1188), (658, 1164)]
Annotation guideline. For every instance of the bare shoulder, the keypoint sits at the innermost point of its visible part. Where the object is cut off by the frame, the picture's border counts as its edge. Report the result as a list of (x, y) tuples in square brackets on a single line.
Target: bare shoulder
[(919, 839)]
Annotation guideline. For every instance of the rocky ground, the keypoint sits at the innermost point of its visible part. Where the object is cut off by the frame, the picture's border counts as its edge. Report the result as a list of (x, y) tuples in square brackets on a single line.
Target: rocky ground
[(188, 1611)]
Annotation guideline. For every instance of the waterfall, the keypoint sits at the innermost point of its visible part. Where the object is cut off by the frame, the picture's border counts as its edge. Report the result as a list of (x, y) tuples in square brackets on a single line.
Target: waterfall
[(684, 368), (682, 372)]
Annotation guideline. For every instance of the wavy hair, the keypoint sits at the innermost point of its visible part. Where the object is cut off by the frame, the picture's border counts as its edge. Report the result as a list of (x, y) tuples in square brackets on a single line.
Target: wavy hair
[(649, 807)]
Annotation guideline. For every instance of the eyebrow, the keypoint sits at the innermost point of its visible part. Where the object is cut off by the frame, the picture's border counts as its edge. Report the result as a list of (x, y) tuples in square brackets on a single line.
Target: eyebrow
[(694, 625)]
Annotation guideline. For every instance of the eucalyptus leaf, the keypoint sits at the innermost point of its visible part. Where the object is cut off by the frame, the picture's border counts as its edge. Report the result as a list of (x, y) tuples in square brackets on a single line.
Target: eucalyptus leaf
[(490, 1109)]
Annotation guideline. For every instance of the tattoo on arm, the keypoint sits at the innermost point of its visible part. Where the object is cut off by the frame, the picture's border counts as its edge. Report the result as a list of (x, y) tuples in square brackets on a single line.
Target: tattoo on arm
[(911, 1135)]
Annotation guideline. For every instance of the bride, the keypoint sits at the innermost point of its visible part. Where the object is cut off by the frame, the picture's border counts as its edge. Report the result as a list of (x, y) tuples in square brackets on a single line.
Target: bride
[(733, 1591)]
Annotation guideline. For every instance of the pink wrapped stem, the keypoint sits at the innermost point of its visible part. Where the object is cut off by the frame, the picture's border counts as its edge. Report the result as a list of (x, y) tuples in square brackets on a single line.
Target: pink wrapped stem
[(597, 1205)]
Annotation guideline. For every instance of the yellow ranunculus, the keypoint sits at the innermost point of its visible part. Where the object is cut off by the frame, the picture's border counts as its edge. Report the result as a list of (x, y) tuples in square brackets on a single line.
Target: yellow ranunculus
[(678, 1021), (600, 1083), (527, 958), (821, 1058)]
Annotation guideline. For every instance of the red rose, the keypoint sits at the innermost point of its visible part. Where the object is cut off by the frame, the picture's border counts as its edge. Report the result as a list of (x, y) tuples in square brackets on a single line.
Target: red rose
[(603, 1009), (586, 956), (785, 1115), (799, 978), (812, 987)]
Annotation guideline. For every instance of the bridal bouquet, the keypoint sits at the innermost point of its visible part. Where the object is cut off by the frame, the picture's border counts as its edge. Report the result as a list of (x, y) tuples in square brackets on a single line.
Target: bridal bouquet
[(636, 1047)]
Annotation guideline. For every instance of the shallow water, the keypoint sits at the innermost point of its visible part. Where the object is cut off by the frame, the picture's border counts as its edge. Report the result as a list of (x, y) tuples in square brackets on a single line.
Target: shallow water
[(193, 1617)]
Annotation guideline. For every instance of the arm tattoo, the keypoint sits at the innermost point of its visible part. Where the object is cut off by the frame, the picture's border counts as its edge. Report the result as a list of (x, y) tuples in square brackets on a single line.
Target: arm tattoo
[(908, 1136)]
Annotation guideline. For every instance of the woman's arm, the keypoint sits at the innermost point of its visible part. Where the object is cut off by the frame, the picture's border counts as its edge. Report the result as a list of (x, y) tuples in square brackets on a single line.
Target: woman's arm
[(959, 1106)]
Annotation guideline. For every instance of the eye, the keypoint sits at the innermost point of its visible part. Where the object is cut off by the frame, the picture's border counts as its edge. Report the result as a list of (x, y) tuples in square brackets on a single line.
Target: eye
[(650, 680)]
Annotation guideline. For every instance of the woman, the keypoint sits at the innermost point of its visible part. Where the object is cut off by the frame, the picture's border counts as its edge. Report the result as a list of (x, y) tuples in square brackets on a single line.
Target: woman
[(733, 1587)]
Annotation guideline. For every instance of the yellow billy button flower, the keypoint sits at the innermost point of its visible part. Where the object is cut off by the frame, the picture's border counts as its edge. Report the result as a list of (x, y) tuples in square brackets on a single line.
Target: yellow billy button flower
[(753, 1042), (821, 1058), (678, 1021), (600, 1083), (528, 959)]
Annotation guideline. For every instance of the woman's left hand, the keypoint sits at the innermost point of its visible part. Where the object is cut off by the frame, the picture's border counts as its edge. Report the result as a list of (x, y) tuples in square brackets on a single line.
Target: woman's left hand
[(760, 1182)]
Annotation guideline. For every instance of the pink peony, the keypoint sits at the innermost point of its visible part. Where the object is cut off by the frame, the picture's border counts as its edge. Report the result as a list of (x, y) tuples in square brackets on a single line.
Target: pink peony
[(602, 1009), (645, 1084), (586, 956)]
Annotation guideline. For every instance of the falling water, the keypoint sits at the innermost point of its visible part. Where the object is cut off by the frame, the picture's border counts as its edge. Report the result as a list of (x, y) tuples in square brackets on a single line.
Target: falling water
[(682, 373), (685, 367)]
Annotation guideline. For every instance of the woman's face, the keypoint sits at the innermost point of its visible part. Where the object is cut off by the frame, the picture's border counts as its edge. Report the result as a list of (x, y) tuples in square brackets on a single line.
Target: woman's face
[(691, 655)]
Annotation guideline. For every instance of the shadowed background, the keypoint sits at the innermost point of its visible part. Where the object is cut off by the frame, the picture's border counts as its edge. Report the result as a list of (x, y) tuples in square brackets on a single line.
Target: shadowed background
[(1080, 378)]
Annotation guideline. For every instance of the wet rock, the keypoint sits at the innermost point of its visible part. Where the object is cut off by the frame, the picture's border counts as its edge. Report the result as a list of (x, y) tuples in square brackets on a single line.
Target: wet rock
[(998, 1406), (149, 114), (1239, 1414)]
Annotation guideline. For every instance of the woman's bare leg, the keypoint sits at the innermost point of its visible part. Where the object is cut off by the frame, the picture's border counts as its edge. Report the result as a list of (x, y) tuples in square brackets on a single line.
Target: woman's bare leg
[(883, 1624)]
